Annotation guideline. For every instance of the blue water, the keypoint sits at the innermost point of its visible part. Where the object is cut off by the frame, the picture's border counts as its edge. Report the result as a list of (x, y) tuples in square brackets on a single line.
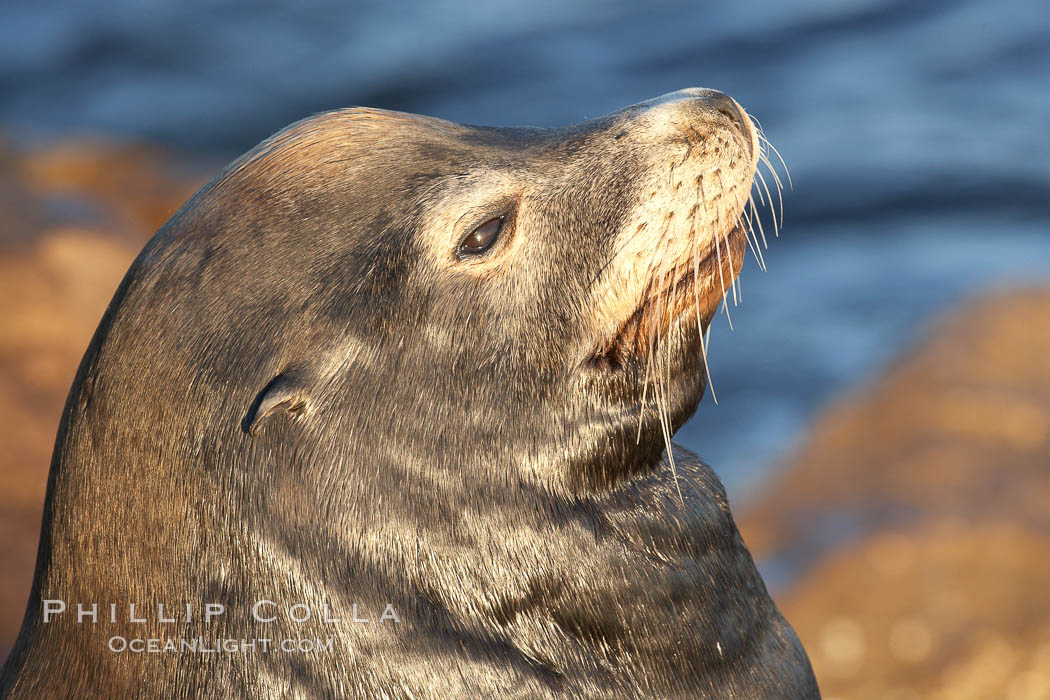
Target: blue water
[(915, 132)]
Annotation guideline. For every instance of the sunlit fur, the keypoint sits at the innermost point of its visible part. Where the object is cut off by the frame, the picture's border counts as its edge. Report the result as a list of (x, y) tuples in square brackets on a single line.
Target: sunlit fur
[(301, 393)]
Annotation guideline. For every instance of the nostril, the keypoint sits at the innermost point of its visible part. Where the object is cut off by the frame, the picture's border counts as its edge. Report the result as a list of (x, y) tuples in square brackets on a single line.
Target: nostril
[(726, 106), (732, 114)]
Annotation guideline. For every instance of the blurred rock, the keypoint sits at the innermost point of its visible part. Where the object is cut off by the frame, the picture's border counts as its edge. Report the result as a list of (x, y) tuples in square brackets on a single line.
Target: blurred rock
[(72, 218), (128, 189), (918, 513)]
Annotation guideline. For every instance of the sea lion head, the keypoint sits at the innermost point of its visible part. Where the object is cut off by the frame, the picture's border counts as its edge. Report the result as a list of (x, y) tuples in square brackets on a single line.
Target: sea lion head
[(373, 304), (513, 301)]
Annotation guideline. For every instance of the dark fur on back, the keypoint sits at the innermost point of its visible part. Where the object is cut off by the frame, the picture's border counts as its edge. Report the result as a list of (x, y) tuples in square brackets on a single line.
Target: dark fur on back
[(299, 394)]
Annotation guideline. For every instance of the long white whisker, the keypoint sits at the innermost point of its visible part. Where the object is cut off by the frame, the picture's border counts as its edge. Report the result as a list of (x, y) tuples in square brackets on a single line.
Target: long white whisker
[(758, 220), (665, 423), (749, 232), (780, 188), (787, 172), (696, 297), (776, 226), (718, 251), (658, 255)]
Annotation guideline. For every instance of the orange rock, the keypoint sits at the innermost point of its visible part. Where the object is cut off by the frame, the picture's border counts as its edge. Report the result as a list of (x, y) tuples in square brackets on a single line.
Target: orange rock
[(937, 582), (139, 186), (957, 610)]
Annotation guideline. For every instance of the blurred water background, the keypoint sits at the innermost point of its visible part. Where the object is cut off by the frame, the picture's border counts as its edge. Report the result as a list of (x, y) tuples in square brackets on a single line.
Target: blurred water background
[(915, 133)]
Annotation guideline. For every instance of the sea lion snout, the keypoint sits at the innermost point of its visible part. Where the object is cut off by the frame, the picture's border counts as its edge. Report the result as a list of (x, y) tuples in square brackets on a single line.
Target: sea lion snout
[(682, 245), (707, 100), (695, 112)]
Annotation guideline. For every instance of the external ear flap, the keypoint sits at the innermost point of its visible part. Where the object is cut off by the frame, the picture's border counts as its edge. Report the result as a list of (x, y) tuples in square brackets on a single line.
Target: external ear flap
[(284, 394)]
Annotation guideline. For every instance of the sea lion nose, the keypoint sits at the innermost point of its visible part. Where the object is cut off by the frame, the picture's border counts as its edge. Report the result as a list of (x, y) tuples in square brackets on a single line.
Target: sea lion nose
[(700, 105), (726, 106)]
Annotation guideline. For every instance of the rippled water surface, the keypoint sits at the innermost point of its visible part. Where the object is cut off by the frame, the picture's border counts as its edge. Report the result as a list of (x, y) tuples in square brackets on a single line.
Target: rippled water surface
[(915, 133)]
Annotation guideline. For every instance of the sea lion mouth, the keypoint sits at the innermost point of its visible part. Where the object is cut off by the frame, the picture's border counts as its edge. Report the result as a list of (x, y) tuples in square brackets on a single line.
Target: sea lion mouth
[(679, 250), (695, 287)]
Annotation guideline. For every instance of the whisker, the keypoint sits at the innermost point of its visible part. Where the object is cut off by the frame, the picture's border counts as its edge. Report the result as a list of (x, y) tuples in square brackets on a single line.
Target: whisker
[(780, 188), (724, 231), (731, 208), (659, 275), (696, 299), (645, 394), (705, 344), (662, 305), (764, 158), (657, 256), (662, 273), (787, 172), (776, 226), (758, 220), (749, 232), (616, 253), (665, 424), (718, 251)]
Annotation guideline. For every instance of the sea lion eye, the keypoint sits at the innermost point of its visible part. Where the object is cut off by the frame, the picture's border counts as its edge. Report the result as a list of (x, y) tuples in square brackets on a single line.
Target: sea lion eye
[(481, 239)]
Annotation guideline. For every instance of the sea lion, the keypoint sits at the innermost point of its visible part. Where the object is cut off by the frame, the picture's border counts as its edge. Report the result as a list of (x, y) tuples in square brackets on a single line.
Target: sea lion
[(384, 411)]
